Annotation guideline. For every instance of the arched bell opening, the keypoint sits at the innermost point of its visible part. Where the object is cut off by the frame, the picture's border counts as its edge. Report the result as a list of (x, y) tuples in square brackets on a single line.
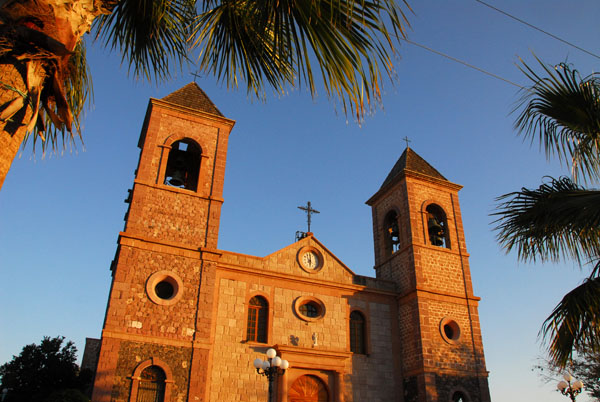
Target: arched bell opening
[(391, 233), (183, 165), (437, 226)]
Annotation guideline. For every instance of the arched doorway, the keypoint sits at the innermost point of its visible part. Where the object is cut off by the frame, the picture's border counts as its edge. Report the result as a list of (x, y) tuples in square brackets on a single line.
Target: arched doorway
[(308, 388), (152, 385)]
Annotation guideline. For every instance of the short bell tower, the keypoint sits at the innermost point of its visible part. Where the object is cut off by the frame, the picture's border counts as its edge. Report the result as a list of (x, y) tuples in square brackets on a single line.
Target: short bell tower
[(420, 245), (159, 312)]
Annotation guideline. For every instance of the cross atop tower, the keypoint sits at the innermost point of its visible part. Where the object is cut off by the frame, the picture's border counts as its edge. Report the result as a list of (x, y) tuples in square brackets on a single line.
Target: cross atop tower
[(407, 140), (309, 211)]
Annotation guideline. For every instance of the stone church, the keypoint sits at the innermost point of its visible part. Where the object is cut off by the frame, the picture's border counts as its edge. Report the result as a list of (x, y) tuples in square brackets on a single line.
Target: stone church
[(185, 320)]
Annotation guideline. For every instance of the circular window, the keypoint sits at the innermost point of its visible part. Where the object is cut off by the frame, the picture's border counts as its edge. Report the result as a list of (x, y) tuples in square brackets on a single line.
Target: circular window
[(164, 287), (450, 330), (309, 308)]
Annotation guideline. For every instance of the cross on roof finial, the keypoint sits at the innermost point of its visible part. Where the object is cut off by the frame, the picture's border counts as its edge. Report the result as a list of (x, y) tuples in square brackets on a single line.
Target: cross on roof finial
[(407, 141), (196, 76), (309, 211)]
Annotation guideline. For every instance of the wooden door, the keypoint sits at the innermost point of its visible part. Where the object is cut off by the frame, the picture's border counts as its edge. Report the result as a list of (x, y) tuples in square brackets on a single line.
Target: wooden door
[(308, 388)]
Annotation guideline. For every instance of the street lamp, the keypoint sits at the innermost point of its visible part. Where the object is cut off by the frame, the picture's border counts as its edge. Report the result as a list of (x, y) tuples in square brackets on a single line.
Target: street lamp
[(571, 390), (271, 368)]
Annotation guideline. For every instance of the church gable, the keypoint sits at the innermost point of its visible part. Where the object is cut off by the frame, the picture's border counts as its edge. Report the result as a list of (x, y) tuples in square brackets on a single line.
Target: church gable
[(309, 258)]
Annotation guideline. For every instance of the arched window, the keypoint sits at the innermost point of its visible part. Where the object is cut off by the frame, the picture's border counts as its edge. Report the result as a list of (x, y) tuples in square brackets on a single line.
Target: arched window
[(151, 387), (437, 226), (392, 233), (357, 333), (183, 165), (258, 312), (459, 397)]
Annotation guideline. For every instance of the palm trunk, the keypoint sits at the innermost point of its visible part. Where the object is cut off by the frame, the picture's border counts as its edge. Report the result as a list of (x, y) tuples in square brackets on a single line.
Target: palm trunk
[(12, 132), (37, 38)]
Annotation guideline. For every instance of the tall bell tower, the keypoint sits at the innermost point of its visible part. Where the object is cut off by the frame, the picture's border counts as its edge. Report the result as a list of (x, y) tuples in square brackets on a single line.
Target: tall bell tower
[(160, 307), (420, 245)]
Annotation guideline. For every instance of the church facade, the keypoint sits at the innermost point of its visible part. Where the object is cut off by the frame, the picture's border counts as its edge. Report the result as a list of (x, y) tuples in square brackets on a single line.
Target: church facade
[(185, 320)]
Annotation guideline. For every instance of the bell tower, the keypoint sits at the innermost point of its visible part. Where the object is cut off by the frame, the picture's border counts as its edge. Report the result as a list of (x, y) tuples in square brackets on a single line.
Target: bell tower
[(160, 306), (420, 245)]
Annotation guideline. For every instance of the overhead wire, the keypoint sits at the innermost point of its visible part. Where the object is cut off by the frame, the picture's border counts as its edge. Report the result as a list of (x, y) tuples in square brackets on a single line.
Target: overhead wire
[(538, 29), (487, 72), (464, 63)]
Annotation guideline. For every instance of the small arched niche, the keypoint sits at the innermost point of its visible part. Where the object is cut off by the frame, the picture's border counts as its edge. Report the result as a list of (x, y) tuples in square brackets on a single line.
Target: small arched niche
[(391, 233), (459, 396), (183, 165), (437, 226)]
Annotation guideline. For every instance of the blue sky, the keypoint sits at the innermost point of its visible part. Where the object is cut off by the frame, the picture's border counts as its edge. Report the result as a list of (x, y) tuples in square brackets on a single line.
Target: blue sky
[(60, 215)]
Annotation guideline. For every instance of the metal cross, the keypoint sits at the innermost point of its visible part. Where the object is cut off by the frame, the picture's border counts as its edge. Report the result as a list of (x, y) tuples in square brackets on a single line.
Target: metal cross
[(196, 76), (407, 141), (309, 211)]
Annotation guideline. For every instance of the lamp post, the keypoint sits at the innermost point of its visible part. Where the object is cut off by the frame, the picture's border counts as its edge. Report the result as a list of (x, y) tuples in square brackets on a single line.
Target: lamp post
[(570, 389), (271, 368)]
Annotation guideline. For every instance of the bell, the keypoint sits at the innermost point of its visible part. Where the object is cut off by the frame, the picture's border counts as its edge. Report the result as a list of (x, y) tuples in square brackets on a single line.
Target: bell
[(393, 230), (176, 168), (394, 234), (436, 232), (177, 178)]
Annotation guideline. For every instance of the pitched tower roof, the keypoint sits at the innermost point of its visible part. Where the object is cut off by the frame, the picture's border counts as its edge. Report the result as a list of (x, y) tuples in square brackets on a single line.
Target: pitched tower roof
[(410, 160), (193, 97), (410, 163)]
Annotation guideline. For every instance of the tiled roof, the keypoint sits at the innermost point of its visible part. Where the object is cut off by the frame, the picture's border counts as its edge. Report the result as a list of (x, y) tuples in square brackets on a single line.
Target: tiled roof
[(410, 160), (193, 96)]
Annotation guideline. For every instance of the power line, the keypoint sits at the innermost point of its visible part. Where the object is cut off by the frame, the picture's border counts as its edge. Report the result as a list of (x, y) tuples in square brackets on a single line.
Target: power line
[(464, 63), (538, 29)]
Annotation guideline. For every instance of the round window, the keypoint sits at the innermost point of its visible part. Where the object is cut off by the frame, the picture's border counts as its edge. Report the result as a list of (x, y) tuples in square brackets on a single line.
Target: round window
[(164, 287), (309, 308), (450, 330)]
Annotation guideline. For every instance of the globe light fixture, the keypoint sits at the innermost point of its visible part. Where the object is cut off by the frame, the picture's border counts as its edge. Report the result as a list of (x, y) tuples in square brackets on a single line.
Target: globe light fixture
[(272, 368), (570, 388)]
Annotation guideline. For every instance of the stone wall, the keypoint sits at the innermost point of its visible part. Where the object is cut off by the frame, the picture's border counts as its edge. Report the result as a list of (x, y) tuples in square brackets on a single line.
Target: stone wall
[(131, 354), (233, 377)]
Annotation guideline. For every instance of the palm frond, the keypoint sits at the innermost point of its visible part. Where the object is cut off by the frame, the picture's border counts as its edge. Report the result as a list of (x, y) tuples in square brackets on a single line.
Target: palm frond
[(276, 42), (575, 322), (560, 219), (63, 100), (149, 34), (562, 111)]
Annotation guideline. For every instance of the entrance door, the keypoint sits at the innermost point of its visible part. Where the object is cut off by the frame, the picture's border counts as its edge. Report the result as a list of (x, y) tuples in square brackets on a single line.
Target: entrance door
[(308, 388)]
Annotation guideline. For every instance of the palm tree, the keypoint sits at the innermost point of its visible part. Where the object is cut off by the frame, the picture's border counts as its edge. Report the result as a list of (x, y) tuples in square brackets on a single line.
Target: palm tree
[(44, 83), (561, 219)]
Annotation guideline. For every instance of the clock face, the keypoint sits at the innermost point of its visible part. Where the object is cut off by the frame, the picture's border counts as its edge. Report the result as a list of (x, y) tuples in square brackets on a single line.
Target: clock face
[(310, 259)]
